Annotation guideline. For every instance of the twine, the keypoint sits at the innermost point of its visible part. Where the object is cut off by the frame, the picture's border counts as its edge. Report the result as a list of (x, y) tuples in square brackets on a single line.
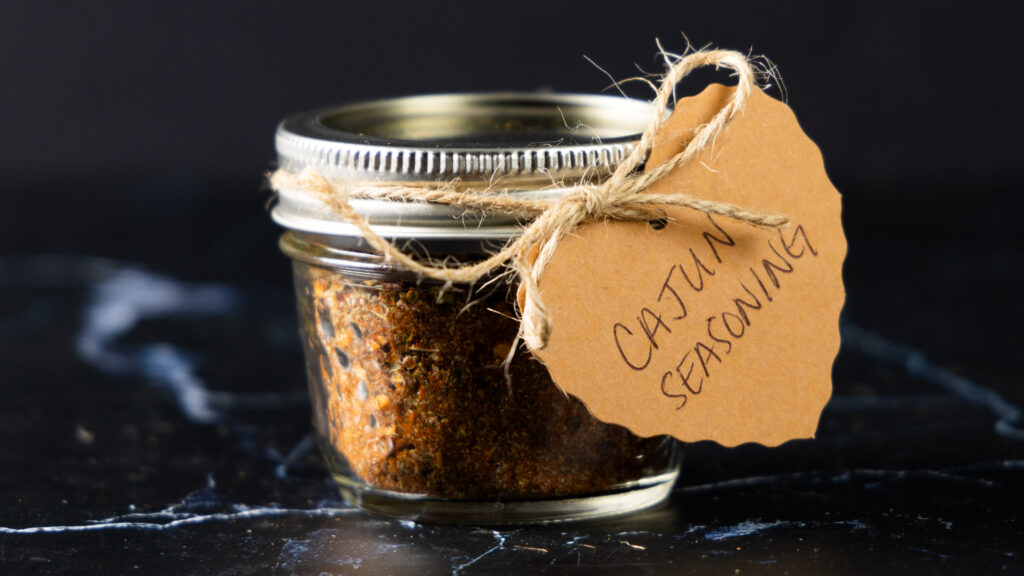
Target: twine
[(621, 197)]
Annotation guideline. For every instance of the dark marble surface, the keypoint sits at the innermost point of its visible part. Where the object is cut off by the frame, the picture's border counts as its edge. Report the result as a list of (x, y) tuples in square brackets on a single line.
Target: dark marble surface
[(153, 415)]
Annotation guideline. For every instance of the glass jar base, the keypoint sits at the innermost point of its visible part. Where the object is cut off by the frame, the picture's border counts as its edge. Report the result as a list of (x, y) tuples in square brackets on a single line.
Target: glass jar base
[(624, 500)]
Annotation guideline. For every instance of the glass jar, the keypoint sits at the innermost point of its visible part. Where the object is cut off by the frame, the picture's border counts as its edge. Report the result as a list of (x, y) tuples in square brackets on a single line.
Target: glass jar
[(415, 413)]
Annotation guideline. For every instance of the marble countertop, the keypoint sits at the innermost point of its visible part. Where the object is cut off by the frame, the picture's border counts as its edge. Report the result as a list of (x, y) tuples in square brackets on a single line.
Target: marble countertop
[(154, 415)]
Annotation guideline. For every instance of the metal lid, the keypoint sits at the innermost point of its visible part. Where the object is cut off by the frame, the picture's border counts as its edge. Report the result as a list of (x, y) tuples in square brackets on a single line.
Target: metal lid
[(525, 141)]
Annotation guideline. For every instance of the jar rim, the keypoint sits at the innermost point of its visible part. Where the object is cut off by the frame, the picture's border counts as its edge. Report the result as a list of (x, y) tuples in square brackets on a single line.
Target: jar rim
[(476, 136), (531, 144)]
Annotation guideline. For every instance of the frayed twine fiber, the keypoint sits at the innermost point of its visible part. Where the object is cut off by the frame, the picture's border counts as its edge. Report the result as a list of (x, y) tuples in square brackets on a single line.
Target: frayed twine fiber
[(620, 196)]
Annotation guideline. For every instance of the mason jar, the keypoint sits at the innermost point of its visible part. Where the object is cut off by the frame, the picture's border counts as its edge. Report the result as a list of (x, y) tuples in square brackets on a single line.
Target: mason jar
[(416, 414)]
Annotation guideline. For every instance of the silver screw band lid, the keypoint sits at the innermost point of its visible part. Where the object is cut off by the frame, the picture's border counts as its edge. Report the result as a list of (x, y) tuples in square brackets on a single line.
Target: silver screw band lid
[(524, 141)]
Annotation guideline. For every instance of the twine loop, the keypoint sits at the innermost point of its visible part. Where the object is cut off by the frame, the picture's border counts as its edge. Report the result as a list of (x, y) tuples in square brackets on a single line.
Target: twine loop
[(620, 197)]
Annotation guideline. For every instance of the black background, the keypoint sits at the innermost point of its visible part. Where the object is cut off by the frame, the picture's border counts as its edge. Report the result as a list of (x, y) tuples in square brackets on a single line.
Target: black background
[(910, 94)]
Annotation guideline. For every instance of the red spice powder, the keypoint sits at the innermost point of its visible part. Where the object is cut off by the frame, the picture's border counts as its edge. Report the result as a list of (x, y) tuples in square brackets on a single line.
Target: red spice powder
[(409, 396)]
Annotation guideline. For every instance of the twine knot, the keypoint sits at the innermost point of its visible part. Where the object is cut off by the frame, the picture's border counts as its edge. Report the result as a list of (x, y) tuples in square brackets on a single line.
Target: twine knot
[(621, 196), (591, 201)]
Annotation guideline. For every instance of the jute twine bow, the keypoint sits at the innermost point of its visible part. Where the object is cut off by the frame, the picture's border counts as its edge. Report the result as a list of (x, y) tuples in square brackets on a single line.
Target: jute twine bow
[(621, 196)]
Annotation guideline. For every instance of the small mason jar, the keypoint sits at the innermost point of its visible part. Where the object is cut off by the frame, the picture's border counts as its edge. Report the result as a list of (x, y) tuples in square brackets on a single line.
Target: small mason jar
[(414, 411)]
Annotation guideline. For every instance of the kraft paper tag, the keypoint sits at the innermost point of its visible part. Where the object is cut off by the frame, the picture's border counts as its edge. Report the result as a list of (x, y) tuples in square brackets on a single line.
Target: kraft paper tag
[(709, 328)]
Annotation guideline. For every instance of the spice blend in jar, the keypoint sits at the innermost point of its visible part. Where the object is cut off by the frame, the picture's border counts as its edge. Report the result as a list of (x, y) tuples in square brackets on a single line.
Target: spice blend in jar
[(416, 413)]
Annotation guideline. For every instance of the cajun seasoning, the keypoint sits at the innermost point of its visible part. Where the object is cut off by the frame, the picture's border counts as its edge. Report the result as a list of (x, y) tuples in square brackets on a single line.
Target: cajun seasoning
[(413, 396), (415, 413)]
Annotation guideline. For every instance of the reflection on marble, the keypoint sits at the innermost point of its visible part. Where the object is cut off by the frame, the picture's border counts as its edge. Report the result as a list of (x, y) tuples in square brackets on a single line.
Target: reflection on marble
[(178, 520), (129, 296), (916, 363)]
